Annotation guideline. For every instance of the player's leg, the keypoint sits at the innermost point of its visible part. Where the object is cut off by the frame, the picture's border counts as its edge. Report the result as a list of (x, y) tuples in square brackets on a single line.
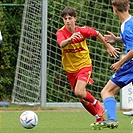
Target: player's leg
[(109, 101), (117, 81), (84, 76), (110, 106), (90, 103), (80, 92), (78, 81), (92, 110)]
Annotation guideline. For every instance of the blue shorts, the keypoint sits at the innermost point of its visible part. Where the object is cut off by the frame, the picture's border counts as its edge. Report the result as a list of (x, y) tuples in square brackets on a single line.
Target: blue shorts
[(124, 76)]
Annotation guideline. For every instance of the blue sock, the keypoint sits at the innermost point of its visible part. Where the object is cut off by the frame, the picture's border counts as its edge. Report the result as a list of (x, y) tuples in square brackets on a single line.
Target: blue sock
[(110, 107)]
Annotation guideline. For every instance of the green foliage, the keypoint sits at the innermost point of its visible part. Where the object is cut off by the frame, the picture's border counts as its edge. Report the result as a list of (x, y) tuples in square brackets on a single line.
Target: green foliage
[(10, 25), (92, 16)]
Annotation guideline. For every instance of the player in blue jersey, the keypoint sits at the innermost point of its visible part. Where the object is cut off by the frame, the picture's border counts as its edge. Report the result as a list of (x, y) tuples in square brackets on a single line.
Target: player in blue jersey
[(123, 68)]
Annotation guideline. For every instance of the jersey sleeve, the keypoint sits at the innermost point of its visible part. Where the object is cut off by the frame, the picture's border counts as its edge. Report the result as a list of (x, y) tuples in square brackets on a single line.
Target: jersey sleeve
[(129, 39), (59, 36), (90, 32)]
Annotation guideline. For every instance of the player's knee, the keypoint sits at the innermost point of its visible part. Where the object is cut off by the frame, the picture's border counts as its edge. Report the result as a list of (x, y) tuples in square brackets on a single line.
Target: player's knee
[(78, 93), (105, 93)]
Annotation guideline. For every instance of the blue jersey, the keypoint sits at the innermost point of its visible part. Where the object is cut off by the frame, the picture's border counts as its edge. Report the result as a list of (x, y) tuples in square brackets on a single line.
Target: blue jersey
[(126, 34), (125, 73)]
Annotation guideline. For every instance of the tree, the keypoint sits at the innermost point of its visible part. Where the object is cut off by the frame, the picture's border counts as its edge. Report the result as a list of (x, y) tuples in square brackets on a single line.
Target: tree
[(10, 25)]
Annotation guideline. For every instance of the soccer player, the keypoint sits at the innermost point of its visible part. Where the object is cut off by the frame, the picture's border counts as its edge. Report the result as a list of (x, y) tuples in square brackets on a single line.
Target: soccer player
[(123, 68), (76, 59)]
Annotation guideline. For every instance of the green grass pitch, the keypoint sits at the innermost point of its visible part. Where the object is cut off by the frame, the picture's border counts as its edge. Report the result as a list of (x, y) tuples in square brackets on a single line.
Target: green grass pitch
[(60, 121)]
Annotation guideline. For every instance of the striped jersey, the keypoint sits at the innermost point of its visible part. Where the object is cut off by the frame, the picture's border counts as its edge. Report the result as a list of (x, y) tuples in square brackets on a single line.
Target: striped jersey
[(75, 55)]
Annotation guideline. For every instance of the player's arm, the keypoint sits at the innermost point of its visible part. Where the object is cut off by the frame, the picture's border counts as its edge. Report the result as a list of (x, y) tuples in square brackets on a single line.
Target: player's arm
[(110, 49), (65, 42), (111, 38), (68, 40), (116, 66)]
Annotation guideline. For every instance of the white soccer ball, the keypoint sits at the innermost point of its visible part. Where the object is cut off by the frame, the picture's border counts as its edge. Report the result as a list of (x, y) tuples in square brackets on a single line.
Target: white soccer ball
[(28, 119)]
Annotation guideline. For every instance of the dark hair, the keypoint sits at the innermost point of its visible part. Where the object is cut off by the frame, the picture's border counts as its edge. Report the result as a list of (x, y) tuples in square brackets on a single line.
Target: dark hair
[(68, 11), (121, 5)]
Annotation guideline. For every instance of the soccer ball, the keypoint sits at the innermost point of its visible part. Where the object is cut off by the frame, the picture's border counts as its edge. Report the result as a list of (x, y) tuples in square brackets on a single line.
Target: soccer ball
[(28, 119)]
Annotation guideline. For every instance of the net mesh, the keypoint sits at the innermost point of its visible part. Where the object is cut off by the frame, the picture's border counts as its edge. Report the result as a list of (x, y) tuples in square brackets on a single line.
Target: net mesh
[(27, 78), (94, 13)]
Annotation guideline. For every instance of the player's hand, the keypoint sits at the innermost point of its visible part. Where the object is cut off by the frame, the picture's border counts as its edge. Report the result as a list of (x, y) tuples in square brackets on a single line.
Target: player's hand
[(116, 66), (75, 36), (110, 38), (113, 51)]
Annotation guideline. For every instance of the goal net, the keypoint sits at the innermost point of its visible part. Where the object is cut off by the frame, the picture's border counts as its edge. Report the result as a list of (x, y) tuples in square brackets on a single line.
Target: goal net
[(27, 84), (27, 79)]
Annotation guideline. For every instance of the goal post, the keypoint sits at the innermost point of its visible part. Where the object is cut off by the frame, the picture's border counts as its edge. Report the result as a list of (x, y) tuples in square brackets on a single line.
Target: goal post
[(44, 53), (39, 77), (27, 82)]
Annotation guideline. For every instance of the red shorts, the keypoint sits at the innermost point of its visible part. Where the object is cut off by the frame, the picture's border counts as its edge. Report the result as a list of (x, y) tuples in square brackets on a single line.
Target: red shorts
[(83, 74)]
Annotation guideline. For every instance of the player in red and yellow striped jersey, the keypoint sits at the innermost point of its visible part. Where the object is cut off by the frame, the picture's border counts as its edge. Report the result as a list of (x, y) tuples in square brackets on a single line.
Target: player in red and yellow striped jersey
[(76, 59)]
